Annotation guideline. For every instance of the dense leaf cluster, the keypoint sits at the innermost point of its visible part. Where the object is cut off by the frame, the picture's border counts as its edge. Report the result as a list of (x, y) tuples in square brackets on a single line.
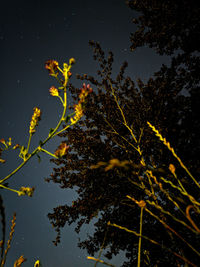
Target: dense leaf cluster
[(170, 101)]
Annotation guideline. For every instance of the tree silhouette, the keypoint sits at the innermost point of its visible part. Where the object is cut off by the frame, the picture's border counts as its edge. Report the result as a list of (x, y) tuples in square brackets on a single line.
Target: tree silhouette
[(115, 139)]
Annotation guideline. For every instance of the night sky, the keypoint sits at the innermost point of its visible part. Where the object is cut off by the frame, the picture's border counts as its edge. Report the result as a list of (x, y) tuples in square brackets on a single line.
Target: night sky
[(32, 32)]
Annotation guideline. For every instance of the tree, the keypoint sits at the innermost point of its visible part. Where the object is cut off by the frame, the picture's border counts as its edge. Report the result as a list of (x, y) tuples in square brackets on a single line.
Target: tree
[(177, 34), (116, 140)]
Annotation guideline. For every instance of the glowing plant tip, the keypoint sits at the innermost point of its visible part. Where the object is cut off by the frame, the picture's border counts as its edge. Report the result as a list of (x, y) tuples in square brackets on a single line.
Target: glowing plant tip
[(19, 261), (3, 141), (141, 203), (37, 264), (8, 143), (16, 146), (85, 90), (12, 230), (62, 150), (172, 168), (78, 113), (26, 191), (52, 66), (53, 91), (72, 61), (167, 144), (34, 121)]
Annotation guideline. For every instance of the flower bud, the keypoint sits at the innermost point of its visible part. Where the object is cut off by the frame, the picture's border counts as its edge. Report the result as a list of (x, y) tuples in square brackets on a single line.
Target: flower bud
[(72, 61), (53, 91), (62, 150)]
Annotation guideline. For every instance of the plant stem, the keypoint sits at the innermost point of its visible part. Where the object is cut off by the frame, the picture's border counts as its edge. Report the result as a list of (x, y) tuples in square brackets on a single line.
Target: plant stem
[(39, 147), (140, 238), (13, 190), (44, 150), (29, 141)]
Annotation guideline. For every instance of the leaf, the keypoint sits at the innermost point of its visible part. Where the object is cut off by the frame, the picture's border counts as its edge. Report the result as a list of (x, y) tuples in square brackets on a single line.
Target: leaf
[(40, 143), (39, 158), (51, 130)]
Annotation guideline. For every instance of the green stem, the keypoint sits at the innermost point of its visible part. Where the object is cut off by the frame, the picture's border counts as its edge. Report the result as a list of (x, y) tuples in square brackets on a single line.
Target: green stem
[(61, 99), (62, 130), (29, 141), (44, 150), (13, 190), (59, 123), (20, 166), (39, 148)]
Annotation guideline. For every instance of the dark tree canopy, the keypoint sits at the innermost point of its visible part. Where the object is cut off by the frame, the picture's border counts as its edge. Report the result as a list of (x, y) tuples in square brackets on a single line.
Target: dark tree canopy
[(167, 26), (170, 102)]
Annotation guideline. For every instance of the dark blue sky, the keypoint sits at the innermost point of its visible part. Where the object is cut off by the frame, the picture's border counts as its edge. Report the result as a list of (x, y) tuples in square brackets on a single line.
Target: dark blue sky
[(32, 32)]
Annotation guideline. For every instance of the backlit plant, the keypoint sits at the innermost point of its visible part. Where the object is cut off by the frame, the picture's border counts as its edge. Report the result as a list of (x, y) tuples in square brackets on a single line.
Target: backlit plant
[(62, 76), (135, 183), (54, 70)]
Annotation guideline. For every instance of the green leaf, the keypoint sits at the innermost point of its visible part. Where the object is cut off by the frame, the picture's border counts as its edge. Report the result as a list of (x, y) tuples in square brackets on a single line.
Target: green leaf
[(67, 118), (40, 143), (39, 158), (51, 130)]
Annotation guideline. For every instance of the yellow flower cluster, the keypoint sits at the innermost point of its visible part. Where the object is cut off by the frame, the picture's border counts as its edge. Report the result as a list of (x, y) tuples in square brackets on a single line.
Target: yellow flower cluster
[(53, 91), (72, 61), (37, 264), (8, 143), (85, 90), (19, 261), (78, 113), (172, 168), (26, 191), (52, 67), (34, 121), (62, 150)]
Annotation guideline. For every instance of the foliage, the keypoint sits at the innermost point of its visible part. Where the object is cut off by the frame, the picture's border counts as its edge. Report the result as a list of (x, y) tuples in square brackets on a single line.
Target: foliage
[(116, 165)]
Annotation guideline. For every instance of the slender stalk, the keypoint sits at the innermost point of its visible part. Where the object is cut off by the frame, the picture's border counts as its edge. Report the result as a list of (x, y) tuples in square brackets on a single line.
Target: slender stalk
[(122, 113), (61, 99), (153, 242), (47, 152), (16, 170), (167, 144), (102, 246), (140, 238), (42, 143), (173, 231), (52, 134), (98, 260), (29, 141), (5, 187)]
